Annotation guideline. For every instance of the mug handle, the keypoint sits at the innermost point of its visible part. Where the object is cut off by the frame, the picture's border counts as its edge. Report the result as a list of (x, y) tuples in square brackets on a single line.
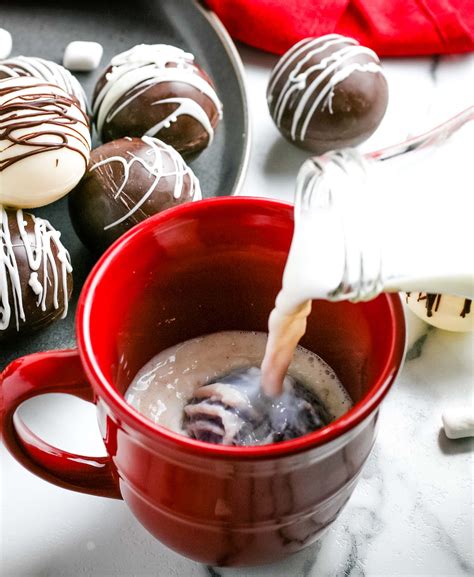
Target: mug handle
[(39, 374)]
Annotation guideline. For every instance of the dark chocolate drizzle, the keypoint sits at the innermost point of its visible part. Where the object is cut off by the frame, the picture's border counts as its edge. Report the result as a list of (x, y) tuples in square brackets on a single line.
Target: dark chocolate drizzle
[(433, 301), (466, 309), (45, 109)]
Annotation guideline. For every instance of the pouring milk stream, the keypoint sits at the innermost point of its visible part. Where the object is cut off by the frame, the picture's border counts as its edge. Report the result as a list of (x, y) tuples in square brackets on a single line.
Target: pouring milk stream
[(395, 220)]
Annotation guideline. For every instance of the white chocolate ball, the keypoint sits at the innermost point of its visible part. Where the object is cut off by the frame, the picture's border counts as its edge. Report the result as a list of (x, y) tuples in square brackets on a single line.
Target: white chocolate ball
[(82, 56), (44, 142), (6, 43), (451, 313), (44, 70)]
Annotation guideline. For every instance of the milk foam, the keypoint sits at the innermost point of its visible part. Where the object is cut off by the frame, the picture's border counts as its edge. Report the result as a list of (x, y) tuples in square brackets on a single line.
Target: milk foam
[(163, 387)]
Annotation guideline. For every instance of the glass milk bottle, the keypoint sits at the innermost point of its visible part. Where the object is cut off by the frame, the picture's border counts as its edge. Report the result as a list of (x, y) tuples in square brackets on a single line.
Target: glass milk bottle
[(400, 219)]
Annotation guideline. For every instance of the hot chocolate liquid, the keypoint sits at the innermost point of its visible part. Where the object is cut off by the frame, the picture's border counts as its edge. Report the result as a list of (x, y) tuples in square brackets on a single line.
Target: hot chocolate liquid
[(209, 388)]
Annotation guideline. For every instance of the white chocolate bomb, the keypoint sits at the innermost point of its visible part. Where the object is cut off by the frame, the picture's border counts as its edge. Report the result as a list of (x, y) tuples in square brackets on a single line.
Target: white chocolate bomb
[(451, 313), (44, 142), (44, 70)]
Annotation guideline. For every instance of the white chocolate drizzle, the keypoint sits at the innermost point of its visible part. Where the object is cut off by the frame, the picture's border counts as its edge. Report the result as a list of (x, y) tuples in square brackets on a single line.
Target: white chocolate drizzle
[(185, 106), (45, 70), (143, 66), (299, 92), (47, 259), (156, 167)]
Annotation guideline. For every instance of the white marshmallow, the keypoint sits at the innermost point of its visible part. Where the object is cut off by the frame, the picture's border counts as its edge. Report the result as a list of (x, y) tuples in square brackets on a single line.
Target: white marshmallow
[(82, 56), (459, 422), (5, 43)]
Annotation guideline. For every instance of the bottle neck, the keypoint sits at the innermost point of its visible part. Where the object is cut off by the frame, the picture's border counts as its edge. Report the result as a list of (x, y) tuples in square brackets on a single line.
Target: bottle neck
[(363, 226), (334, 229)]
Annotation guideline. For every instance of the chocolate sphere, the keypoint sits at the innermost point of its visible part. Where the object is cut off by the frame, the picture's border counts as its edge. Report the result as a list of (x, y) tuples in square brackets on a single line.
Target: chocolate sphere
[(46, 70), (128, 180), (44, 142), (157, 90), (35, 274), (448, 312), (327, 93)]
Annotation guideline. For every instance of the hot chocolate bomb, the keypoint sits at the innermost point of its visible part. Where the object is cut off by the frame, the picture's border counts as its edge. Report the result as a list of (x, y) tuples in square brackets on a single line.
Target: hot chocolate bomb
[(448, 312), (157, 90), (234, 411), (327, 93), (35, 274), (46, 70), (128, 180), (44, 142)]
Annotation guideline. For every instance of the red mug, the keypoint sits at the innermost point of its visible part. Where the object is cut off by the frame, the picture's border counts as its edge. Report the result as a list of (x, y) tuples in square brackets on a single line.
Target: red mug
[(200, 268)]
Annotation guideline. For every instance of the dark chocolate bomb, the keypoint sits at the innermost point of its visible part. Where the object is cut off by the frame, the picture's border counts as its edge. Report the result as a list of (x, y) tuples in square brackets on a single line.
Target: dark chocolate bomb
[(327, 93), (234, 411), (35, 273), (157, 90), (128, 180)]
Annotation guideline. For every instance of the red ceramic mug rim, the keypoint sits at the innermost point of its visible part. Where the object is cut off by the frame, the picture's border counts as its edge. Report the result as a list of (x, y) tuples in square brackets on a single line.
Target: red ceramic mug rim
[(135, 420)]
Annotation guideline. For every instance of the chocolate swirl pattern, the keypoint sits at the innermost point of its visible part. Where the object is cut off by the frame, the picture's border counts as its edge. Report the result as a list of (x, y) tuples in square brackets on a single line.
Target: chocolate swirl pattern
[(44, 142), (174, 88), (35, 273), (155, 166), (46, 70), (234, 411), (129, 180)]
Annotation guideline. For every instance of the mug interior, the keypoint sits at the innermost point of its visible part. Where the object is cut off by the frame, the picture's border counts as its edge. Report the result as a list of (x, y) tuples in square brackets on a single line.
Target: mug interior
[(217, 265)]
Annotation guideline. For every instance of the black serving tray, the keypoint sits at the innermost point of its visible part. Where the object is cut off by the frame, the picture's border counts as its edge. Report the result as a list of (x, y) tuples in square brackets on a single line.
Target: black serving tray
[(44, 28)]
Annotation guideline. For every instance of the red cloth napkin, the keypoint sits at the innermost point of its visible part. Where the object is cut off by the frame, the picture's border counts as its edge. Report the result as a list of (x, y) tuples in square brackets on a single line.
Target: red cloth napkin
[(390, 27)]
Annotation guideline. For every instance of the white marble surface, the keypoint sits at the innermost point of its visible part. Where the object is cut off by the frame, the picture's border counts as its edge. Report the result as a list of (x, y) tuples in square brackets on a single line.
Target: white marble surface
[(411, 513)]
